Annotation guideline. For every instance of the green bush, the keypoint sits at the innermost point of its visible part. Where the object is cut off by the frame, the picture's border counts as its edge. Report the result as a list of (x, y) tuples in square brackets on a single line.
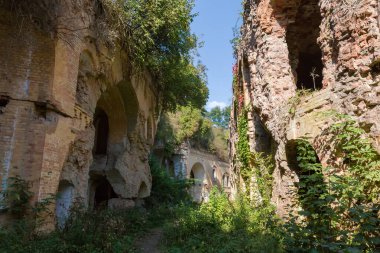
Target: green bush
[(97, 231), (16, 197), (156, 35), (340, 207), (224, 226), (188, 125), (165, 189), (85, 231)]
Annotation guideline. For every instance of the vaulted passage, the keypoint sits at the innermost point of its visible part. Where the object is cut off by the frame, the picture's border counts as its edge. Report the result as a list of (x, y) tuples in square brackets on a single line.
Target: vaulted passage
[(101, 132), (305, 55), (303, 160), (64, 202), (197, 191), (103, 193)]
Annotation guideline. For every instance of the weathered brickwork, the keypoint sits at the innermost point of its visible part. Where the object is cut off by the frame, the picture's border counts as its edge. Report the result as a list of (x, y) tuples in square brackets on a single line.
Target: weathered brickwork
[(73, 119), (206, 169), (284, 45)]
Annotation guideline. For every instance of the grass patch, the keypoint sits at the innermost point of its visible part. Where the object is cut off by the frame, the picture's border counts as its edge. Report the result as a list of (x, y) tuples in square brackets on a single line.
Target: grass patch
[(223, 226)]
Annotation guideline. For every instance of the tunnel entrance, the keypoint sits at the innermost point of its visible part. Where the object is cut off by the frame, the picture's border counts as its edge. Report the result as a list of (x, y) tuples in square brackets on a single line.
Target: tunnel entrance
[(103, 193), (305, 55), (198, 176), (101, 132)]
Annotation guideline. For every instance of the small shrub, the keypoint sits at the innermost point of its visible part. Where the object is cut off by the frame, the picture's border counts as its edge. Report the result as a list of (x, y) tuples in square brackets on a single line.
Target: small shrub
[(165, 189), (17, 196), (340, 206)]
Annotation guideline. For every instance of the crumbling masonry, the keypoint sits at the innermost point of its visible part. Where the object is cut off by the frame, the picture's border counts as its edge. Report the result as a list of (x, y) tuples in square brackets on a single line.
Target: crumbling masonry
[(74, 119), (328, 47)]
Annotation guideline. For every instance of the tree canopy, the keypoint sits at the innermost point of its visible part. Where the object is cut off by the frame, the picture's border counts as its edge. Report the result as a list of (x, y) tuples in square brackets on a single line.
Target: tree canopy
[(157, 36), (189, 125), (220, 117)]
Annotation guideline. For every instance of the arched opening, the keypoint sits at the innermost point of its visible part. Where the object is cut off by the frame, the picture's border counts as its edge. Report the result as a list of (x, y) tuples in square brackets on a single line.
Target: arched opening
[(303, 160), (214, 176), (305, 55), (198, 190), (101, 132), (63, 203), (192, 177), (103, 192), (225, 180)]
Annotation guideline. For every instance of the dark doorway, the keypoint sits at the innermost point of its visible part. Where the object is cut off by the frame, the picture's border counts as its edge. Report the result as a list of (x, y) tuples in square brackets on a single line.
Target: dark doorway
[(303, 160), (305, 55), (103, 193), (192, 178), (101, 132)]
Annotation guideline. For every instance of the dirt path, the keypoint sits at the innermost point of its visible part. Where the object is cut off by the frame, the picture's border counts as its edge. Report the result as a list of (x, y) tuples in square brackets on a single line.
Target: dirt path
[(150, 242)]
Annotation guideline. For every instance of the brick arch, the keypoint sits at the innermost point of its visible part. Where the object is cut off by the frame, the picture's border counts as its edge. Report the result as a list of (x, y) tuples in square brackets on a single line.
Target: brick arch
[(198, 190), (291, 155), (64, 202)]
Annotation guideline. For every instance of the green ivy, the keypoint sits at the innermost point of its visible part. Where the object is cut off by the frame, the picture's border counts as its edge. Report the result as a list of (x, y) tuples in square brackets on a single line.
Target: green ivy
[(243, 151), (253, 163), (340, 206)]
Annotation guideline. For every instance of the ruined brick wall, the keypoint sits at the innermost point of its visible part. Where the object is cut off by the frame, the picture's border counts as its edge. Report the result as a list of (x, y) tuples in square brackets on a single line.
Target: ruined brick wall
[(54, 80), (282, 44), (206, 169)]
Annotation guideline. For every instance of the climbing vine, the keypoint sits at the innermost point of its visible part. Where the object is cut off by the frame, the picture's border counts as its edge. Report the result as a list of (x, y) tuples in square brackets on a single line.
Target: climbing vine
[(340, 206), (253, 163), (242, 147)]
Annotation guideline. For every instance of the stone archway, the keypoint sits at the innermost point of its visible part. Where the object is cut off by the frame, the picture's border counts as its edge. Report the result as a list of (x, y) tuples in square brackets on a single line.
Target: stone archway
[(305, 55), (101, 191), (114, 121), (198, 190), (64, 202), (304, 162)]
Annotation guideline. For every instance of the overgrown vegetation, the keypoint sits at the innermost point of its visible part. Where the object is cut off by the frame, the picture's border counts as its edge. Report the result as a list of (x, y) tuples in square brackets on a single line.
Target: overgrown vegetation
[(100, 230), (157, 37), (253, 165), (189, 125), (155, 34), (340, 207), (220, 116), (224, 226), (15, 199), (165, 189)]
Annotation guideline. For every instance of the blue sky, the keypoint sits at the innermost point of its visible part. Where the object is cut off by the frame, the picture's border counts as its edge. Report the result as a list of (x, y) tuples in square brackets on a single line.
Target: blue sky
[(213, 25)]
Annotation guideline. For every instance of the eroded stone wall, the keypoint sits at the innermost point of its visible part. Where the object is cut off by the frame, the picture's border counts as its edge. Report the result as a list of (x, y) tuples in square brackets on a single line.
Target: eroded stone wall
[(285, 43), (54, 81)]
